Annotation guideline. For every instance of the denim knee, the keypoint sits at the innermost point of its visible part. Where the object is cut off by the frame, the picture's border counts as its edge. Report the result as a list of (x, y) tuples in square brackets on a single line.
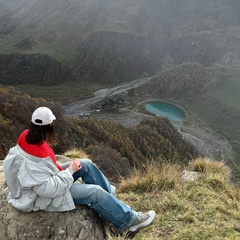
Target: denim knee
[(86, 162), (97, 195), (98, 192)]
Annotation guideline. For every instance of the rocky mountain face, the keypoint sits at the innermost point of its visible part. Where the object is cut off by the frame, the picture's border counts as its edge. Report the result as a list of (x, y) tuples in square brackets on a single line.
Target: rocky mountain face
[(115, 41)]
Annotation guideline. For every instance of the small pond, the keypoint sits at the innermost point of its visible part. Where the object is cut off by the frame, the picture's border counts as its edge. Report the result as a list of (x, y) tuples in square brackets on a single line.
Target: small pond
[(168, 110)]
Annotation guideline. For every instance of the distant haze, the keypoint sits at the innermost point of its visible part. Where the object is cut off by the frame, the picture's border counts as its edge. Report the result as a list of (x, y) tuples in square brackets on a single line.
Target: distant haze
[(123, 40)]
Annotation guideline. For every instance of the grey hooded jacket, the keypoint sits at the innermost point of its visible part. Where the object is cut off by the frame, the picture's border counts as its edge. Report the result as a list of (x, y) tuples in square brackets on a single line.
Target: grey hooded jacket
[(36, 183)]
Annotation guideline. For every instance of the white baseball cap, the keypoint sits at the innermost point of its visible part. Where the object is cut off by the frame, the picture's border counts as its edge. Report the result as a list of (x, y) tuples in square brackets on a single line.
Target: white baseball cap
[(42, 116)]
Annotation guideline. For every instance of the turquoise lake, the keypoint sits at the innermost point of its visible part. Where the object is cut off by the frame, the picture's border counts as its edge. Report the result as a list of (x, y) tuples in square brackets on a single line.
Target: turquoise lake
[(167, 110)]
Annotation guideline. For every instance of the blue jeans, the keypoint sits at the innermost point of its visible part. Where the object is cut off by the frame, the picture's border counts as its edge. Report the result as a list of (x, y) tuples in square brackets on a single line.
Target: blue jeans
[(98, 194)]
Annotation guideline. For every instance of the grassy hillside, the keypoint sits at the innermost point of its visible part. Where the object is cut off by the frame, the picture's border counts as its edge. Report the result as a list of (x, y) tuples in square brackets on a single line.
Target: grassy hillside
[(207, 208), (197, 202)]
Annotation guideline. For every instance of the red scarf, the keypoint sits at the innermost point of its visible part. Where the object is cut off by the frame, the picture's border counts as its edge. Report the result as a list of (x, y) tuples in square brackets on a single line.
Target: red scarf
[(41, 151)]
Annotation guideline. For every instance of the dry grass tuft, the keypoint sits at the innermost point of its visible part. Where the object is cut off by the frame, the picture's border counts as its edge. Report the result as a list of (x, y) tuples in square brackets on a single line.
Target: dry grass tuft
[(75, 153), (208, 166), (154, 177)]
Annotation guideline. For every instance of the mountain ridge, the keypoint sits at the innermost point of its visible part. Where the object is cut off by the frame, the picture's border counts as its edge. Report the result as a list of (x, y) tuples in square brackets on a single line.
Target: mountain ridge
[(189, 31)]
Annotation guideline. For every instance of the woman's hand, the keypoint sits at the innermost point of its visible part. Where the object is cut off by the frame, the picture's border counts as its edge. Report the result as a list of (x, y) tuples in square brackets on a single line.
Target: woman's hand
[(75, 165)]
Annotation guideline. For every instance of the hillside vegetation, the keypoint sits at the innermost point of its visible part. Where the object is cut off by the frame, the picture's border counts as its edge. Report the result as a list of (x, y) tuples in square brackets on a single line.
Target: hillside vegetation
[(35, 69), (111, 145), (207, 208)]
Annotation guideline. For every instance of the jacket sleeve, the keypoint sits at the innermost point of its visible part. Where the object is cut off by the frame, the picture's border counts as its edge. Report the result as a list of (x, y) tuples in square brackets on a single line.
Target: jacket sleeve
[(46, 181), (11, 167), (55, 185)]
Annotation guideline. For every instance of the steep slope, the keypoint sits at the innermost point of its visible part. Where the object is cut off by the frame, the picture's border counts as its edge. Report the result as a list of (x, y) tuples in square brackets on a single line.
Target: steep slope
[(115, 35)]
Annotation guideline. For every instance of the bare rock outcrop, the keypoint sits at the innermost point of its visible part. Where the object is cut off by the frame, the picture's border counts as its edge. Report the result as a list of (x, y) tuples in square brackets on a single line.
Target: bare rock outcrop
[(81, 223)]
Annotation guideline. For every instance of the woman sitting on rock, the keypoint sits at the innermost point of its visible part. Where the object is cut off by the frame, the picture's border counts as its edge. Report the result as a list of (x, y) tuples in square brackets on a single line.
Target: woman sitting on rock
[(37, 182)]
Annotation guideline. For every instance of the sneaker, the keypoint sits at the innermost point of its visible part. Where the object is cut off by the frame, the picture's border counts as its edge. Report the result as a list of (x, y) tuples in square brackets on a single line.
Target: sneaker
[(144, 219)]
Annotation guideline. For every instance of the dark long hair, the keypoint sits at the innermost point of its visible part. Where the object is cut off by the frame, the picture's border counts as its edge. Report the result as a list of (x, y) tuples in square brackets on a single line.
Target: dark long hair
[(38, 134)]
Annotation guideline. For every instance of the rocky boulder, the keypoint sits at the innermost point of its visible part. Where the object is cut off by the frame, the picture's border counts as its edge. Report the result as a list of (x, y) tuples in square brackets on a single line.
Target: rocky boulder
[(81, 223)]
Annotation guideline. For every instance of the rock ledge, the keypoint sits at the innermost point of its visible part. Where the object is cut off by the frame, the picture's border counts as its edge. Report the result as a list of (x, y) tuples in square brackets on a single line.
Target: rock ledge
[(81, 223)]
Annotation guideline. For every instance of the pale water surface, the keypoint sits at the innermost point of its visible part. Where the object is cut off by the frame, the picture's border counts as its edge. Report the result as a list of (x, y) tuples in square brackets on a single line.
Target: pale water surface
[(167, 110)]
